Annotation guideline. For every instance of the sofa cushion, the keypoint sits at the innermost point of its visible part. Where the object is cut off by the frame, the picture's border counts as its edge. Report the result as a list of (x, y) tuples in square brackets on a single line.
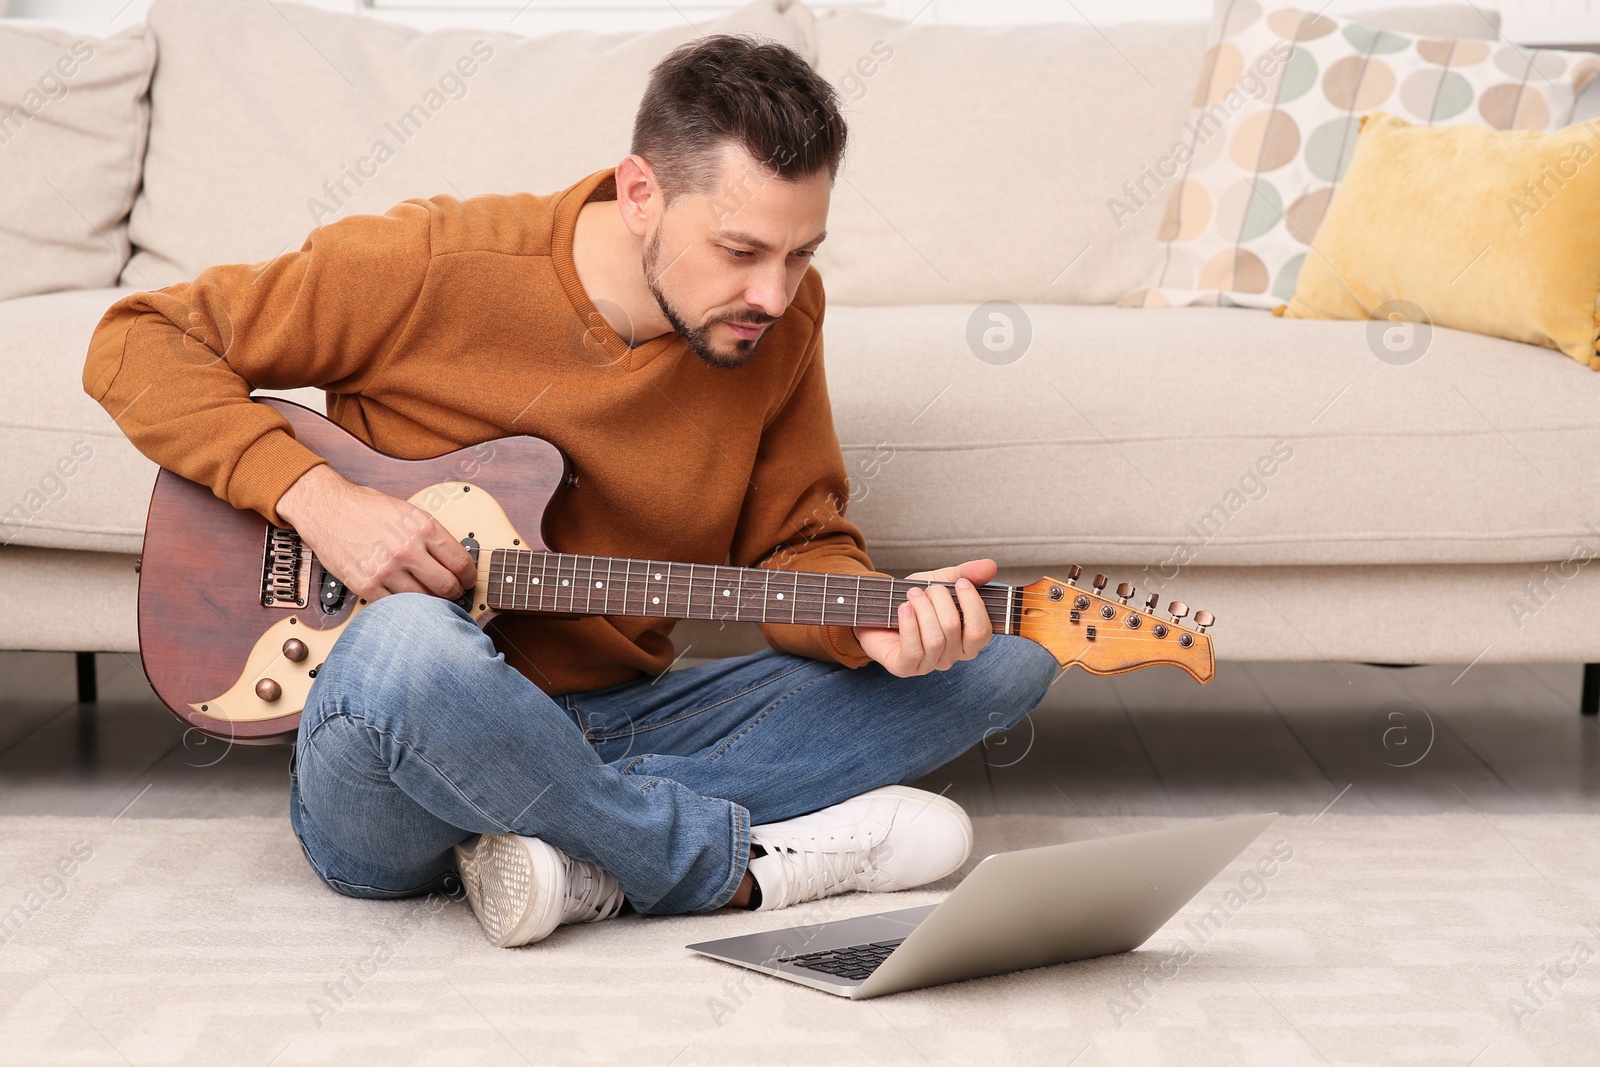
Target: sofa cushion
[(1118, 436), (981, 162), (1422, 231), (271, 119), (1206, 436), (73, 118), (71, 479)]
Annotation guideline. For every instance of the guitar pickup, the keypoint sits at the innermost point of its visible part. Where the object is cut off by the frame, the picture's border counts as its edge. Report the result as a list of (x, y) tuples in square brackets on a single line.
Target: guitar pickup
[(464, 601), (331, 598)]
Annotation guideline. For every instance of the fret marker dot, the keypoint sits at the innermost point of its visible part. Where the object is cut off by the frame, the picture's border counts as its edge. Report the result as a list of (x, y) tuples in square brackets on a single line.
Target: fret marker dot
[(655, 600), (841, 600), (508, 577), (727, 592), (598, 585), (780, 596), (535, 581), (658, 575), (563, 581)]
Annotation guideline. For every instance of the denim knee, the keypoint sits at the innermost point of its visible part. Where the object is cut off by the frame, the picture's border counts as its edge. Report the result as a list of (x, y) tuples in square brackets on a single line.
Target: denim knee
[(1013, 674), (401, 648)]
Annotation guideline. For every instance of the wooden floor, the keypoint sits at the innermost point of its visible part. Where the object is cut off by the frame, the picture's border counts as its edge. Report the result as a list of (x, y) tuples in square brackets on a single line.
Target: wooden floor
[(1295, 738)]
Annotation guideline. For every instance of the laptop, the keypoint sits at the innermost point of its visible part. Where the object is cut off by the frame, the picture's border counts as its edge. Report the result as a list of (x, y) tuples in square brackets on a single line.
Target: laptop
[(1029, 908)]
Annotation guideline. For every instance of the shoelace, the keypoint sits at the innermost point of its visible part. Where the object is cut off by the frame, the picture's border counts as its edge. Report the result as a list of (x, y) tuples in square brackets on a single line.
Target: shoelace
[(592, 894), (811, 870)]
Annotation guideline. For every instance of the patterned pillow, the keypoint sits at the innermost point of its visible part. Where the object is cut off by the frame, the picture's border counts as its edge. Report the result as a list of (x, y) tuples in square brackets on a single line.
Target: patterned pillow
[(1277, 110)]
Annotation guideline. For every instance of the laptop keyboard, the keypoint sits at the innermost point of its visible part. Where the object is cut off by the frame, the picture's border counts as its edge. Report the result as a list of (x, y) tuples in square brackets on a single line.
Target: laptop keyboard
[(856, 961)]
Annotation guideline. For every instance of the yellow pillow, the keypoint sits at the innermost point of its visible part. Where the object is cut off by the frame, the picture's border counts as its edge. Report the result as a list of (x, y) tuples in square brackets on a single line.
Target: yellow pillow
[(1497, 232)]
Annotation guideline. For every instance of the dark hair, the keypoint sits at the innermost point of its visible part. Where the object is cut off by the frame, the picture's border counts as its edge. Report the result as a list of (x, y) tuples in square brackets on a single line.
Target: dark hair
[(723, 89)]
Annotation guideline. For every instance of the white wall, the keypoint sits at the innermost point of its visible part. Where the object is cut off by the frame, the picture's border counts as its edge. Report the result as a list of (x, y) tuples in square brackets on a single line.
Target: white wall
[(1525, 21)]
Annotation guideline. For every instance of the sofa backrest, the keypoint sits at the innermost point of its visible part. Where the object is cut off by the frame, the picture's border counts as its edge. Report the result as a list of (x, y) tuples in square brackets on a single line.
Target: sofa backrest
[(980, 164), (982, 161), (271, 119)]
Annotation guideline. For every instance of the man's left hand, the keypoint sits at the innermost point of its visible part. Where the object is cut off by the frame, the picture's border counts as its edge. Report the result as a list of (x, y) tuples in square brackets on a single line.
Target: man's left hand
[(932, 634)]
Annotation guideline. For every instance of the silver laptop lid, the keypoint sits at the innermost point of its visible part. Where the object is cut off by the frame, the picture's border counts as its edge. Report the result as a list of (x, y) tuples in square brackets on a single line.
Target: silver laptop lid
[(1060, 903)]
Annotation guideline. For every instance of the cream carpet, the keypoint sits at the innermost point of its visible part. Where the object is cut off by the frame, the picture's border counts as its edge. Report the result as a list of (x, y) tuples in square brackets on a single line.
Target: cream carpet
[(1452, 939)]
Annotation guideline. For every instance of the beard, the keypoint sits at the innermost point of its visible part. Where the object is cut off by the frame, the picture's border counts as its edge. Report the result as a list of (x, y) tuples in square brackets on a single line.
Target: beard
[(698, 338)]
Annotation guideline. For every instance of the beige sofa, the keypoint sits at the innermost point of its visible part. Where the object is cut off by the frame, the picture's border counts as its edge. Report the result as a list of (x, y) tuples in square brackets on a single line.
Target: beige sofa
[(1324, 504)]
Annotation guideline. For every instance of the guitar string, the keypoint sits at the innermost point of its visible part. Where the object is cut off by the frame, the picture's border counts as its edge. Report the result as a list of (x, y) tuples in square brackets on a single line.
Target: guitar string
[(871, 594), (876, 601)]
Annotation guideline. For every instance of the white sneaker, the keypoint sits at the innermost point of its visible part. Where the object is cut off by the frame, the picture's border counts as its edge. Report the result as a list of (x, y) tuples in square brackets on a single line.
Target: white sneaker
[(522, 888), (889, 839)]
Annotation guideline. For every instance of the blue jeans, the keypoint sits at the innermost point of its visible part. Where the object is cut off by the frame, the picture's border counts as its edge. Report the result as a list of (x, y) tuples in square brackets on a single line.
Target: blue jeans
[(417, 734)]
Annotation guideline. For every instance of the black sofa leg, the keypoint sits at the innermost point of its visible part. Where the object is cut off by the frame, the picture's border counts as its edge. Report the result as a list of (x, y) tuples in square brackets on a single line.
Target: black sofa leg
[(1590, 702), (89, 690)]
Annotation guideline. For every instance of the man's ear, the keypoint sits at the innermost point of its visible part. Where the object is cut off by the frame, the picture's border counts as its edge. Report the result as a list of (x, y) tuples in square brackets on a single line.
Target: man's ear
[(637, 193)]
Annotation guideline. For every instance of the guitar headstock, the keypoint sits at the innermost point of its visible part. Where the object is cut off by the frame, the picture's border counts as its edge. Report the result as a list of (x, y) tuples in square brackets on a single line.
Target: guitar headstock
[(1108, 635)]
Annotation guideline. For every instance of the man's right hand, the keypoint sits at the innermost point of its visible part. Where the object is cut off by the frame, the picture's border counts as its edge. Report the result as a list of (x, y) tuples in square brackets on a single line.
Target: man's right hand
[(372, 542)]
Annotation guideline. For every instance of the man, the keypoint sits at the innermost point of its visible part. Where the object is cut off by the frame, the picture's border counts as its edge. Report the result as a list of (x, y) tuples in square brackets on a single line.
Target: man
[(661, 324)]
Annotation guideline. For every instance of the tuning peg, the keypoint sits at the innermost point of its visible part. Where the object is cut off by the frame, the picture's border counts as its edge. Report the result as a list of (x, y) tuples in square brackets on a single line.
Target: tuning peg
[(1179, 609), (1073, 573), (1124, 591), (1202, 619), (1151, 601), (1100, 581)]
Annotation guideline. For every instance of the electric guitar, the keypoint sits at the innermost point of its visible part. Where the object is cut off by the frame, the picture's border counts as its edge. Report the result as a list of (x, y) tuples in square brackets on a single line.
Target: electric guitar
[(236, 614)]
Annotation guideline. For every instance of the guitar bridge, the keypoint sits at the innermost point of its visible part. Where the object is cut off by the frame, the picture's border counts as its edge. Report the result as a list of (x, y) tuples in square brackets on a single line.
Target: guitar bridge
[(285, 569)]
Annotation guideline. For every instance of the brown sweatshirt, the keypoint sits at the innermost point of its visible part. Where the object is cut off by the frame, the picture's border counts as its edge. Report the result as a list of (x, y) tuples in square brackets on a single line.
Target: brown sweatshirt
[(444, 323)]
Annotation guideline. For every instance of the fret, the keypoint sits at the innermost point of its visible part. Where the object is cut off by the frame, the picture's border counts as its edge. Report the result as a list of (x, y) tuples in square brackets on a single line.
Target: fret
[(794, 597), (515, 579), (588, 584), (627, 584), (1011, 592), (738, 596), (855, 609), (766, 593), (605, 601)]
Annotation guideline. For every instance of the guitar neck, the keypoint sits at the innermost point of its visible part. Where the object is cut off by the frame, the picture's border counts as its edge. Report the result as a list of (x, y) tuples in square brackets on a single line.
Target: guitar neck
[(560, 583)]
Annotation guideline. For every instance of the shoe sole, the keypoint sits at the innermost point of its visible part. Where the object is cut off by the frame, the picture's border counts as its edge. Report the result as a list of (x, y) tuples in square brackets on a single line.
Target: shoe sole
[(514, 886), (926, 800)]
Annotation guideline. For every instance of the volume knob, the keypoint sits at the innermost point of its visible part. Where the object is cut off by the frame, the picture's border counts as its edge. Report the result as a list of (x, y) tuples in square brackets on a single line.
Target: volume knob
[(294, 650), (268, 690)]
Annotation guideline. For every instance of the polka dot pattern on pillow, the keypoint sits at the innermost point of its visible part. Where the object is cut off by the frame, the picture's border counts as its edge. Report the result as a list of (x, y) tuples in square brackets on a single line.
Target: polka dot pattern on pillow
[(1277, 109)]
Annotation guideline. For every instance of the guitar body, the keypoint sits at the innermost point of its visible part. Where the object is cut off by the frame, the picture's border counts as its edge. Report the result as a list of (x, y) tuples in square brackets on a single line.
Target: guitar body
[(205, 637)]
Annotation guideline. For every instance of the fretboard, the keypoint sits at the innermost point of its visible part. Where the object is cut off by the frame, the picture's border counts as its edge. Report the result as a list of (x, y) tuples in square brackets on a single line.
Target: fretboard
[(563, 584)]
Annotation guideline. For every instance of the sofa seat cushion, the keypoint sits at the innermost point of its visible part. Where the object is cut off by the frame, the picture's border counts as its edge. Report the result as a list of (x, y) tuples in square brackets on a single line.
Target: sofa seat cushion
[(71, 479), (1207, 436), (1118, 436)]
